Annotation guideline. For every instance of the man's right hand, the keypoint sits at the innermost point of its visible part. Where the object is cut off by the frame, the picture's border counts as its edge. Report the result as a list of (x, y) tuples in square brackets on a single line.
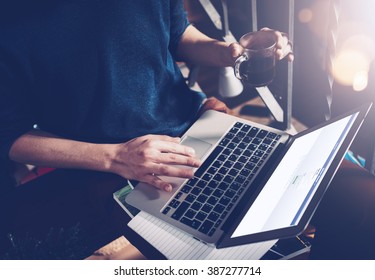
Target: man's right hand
[(148, 157)]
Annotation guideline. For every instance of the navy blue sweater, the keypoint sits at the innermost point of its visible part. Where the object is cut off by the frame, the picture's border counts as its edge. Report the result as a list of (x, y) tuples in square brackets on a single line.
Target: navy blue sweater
[(99, 71)]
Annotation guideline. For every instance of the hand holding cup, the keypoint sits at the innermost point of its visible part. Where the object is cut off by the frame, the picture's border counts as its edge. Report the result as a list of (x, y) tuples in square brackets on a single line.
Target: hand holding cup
[(256, 65)]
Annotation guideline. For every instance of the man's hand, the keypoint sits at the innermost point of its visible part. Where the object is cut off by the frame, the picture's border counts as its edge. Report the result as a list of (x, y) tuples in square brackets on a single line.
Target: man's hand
[(148, 157), (213, 103), (283, 48), (283, 45)]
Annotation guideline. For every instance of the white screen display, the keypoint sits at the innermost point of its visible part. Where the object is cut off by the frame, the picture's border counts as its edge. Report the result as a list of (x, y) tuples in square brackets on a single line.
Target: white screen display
[(288, 191)]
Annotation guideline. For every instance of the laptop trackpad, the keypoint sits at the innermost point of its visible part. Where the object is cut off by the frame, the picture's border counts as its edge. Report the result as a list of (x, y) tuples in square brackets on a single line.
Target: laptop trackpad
[(200, 147), (151, 199)]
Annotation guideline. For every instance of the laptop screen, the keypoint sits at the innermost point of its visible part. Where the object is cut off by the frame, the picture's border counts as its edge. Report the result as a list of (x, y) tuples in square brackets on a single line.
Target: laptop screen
[(288, 191)]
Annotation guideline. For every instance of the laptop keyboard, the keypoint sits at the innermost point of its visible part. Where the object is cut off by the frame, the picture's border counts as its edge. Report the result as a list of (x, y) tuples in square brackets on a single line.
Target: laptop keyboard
[(205, 200)]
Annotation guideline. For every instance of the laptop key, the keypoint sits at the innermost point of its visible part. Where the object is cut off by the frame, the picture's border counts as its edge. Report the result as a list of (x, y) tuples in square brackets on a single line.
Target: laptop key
[(190, 198), (240, 179), (186, 189), (223, 170), (218, 222), (242, 145), (272, 135), (224, 200), (227, 152), (201, 184), (250, 165), (212, 200), (196, 191), (238, 165), (166, 210), (212, 170), (217, 164), (256, 141), (174, 203), (207, 177), (180, 210), (211, 232), (224, 214), (196, 206), (222, 158), (247, 153), (236, 140), (238, 125), (230, 193), (253, 131), (208, 191), (207, 208), (263, 147), (229, 136), (223, 186), (219, 208), (267, 141), (235, 186), (246, 127), (252, 147), (259, 153), (178, 195), (254, 159), (213, 216), (202, 198), (243, 159), (241, 134), (190, 214), (233, 130), (228, 179), (191, 182), (218, 193), (230, 205), (218, 177), (245, 172), (262, 134), (228, 164), (206, 226), (213, 184), (232, 146), (195, 224), (202, 169), (247, 140), (201, 216), (224, 142)]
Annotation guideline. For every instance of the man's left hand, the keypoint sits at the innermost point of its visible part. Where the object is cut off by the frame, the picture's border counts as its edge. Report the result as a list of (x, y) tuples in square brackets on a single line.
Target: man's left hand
[(213, 103)]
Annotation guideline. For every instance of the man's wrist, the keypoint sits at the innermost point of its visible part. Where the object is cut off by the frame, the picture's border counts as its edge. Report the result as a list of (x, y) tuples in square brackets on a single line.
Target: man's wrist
[(109, 156)]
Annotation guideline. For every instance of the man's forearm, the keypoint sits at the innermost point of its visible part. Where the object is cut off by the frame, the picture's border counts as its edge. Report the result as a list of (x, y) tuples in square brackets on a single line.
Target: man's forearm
[(197, 48), (43, 149)]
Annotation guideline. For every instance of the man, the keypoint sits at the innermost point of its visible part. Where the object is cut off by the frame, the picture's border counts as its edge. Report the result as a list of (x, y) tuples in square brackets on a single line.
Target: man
[(100, 81)]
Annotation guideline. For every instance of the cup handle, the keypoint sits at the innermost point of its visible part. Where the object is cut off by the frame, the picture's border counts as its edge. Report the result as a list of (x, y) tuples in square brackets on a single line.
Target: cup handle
[(237, 65)]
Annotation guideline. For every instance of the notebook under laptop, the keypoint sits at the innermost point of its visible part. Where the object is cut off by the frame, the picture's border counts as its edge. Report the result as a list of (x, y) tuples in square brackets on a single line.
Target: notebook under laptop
[(256, 183)]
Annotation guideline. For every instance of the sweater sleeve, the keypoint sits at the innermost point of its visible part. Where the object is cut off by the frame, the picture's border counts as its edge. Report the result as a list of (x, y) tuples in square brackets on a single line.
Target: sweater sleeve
[(15, 117), (178, 24)]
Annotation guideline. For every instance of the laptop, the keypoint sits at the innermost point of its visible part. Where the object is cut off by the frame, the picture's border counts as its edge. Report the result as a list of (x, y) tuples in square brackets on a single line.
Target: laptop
[(256, 183)]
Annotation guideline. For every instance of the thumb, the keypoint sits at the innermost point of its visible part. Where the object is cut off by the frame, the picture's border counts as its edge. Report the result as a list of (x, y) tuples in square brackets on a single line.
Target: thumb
[(236, 50)]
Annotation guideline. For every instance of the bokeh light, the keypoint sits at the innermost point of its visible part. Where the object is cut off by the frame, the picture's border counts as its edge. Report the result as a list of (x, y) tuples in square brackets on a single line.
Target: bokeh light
[(347, 66), (360, 81), (305, 15)]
